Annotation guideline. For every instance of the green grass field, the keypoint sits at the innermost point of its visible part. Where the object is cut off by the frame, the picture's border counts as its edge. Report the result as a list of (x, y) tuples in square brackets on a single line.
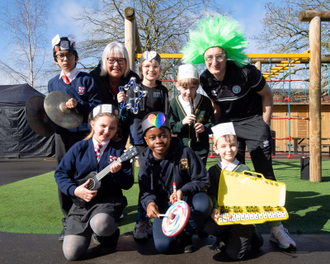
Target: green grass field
[(31, 205)]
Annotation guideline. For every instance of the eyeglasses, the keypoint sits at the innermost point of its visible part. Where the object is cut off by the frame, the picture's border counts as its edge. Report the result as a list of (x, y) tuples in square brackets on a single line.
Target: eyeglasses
[(69, 56), (112, 61), (218, 57)]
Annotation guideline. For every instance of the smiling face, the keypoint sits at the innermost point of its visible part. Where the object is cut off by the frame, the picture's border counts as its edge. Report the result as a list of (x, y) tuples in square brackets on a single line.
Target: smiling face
[(150, 71), (66, 60), (212, 58), (116, 66), (226, 146), (105, 127), (158, 140)]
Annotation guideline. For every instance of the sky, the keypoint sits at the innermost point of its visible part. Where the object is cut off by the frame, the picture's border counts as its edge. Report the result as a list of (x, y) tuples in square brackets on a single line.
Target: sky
[(61, 12)]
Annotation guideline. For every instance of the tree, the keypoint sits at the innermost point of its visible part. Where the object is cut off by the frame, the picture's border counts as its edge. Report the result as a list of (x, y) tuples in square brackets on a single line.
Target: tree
[(25, 22), (283, 32), (162, 25)]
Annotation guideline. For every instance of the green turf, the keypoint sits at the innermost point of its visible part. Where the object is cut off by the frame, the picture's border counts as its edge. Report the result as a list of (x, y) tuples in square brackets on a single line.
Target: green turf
[(31, 205)]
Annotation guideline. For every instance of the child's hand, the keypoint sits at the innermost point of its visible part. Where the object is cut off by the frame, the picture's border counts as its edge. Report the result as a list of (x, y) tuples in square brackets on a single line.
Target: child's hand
[(189, 119), (82, 192), (71, 103), (121, 97), (215, 215), (116, 166), (176, 196), (152, 210), (199, 127)]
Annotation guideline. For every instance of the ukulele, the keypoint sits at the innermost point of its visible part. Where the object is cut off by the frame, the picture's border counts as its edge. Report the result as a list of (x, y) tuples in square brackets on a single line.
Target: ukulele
[(95, 178)]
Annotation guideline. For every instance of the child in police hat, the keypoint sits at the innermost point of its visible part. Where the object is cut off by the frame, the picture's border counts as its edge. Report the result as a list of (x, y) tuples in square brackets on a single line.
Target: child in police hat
[(84, 97), (103, 207)]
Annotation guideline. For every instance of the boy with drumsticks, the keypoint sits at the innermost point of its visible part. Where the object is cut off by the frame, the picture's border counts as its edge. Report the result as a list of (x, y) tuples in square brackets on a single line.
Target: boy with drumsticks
[(234, 239), (165, 161), (84, 97)]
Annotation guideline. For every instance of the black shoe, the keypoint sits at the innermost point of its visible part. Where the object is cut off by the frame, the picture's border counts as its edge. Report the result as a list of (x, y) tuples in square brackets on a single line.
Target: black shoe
[(257, 240), (61, 236), (201, 232), (186, 242), (95, 238), (109, 244), (219, 245)]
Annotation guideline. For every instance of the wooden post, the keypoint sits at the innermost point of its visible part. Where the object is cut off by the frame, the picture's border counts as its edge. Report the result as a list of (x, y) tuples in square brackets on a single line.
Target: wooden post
[(130, 35), (315, 164)]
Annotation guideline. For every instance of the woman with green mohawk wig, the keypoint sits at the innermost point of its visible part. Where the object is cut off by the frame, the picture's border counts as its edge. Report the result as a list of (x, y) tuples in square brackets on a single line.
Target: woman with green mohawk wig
[(239, 94)]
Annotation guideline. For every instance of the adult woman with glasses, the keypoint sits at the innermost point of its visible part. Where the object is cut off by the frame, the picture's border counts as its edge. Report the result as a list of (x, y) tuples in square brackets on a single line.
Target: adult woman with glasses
[(114, 71)]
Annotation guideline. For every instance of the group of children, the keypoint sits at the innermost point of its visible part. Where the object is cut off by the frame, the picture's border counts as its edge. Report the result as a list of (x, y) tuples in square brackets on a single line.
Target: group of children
[(163, 159)]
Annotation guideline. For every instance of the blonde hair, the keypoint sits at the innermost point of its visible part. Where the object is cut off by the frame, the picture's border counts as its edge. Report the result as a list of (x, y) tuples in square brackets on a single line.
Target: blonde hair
[(90, 118), (187, 81), (228, 138)]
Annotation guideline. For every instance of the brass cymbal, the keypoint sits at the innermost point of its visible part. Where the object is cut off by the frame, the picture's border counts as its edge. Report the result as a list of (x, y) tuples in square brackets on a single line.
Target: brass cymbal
[(55, 108), (37, 118)]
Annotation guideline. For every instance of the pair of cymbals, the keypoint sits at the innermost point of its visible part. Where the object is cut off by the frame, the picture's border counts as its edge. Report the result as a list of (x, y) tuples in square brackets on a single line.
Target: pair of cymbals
[(45, 114)]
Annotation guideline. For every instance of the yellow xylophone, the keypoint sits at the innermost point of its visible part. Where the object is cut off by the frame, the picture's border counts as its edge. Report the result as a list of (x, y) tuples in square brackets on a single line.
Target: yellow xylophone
[(248, 198)]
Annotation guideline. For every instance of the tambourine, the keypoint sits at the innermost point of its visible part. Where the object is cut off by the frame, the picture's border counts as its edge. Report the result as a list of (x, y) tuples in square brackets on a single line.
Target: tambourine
[(175, 219)]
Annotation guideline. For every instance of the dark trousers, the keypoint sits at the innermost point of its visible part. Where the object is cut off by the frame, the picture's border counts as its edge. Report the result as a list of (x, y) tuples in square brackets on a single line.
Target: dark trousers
[(200, 211), (255, 134), (63, 142), (237, 238)]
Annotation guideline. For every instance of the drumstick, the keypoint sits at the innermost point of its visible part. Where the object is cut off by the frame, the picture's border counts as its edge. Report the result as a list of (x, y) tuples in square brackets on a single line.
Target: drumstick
[(174, 191)]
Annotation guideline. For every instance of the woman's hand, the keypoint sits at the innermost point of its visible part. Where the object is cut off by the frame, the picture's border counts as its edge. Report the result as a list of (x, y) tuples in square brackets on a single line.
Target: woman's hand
[(215, 215), (71, 103), (189, 119), (121, 97), (199, 128), (176, 196), (152, 210), (116, 166), (82, 192)]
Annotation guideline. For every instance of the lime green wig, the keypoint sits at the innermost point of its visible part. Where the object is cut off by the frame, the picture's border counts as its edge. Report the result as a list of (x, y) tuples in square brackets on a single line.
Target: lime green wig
[(216, 32)]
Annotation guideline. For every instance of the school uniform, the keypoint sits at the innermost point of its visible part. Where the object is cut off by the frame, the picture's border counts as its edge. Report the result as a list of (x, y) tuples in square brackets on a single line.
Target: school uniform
[(109, 199), (240, 103), (156, 177), (179, 109), (237, 238), (82, 88)]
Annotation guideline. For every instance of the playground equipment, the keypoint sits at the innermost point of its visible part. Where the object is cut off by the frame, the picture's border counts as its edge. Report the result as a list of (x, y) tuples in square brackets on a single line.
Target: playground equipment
[(286, 61)]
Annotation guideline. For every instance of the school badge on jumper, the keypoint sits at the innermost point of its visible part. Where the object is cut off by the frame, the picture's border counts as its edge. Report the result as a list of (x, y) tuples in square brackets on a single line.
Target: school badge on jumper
[(236, 89), (184, 164), (81, 90)]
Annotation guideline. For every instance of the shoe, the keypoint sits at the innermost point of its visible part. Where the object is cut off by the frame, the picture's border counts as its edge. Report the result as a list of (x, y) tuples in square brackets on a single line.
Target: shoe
[(201, 232), (280, 235), (109, 244), (257, 240), (61, 236), (186, 242), (219, 245), (95, 238), (140, 231), (148, 226)]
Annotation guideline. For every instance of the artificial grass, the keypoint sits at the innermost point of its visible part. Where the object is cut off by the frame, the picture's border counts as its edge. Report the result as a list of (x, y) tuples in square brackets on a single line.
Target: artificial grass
[(31, 205)]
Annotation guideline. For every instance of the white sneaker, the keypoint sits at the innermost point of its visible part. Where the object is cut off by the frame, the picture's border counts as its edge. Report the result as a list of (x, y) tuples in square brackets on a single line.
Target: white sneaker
[(280, 235), (148, 226), (140, 231)]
